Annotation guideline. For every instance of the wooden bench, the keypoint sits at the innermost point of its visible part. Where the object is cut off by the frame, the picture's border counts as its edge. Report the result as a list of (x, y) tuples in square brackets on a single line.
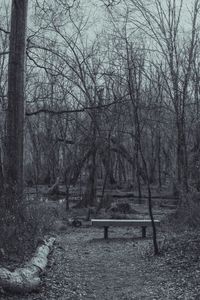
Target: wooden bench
[(106, 223)]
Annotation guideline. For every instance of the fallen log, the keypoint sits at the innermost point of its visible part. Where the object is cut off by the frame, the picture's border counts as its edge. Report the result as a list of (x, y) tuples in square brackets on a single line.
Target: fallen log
[(27, 278), (169, 206), (122, 194)]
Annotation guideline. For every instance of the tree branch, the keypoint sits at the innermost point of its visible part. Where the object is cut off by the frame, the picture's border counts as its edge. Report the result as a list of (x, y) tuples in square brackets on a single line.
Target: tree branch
[(67, 111), (4, 30)]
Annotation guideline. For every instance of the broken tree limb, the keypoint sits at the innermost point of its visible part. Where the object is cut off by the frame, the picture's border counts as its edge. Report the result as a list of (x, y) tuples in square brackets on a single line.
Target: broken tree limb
[(54, 189), (27, 279)]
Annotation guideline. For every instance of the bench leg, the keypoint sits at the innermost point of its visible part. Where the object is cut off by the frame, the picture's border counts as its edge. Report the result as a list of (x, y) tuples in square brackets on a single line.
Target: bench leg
[(143, 231), (105, 232)]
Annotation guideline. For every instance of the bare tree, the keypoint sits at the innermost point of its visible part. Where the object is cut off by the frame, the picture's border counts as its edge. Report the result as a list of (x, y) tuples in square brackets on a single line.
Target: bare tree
[(163, 26)]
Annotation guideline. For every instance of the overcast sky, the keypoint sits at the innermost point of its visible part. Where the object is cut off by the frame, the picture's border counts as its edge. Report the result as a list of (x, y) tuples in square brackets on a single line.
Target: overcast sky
[(98, 18)]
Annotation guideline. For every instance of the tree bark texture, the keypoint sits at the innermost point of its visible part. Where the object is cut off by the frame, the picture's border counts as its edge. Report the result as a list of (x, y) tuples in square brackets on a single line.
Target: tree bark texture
[(16, 97)]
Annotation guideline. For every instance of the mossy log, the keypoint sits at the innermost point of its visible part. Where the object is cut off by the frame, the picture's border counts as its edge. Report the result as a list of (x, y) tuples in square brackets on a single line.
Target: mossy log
[(27, 278)]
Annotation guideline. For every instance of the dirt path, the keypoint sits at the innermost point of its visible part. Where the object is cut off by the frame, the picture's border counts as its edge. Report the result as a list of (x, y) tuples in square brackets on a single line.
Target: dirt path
[(84, 266), (99, 268)]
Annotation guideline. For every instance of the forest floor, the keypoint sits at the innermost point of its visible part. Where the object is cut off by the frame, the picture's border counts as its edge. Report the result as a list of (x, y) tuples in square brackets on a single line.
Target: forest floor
[(85, 266)]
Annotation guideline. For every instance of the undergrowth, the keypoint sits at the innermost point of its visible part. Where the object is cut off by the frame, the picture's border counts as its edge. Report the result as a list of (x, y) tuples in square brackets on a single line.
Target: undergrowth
[(21, 231)]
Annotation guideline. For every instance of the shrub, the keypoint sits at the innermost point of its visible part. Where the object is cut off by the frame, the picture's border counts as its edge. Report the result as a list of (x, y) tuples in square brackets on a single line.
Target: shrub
[(21, 230), (188, 212)]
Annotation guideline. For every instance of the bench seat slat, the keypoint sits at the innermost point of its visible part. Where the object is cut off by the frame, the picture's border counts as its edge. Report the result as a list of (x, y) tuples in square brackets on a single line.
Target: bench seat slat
[(112, 222)]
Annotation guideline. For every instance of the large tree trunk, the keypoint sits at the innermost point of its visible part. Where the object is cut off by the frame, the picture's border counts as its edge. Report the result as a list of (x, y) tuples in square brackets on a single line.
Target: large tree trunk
[(89, 198), (1, 176), (138, 172), (108, 167), (159, 162), (16, 98), (182, 168)]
